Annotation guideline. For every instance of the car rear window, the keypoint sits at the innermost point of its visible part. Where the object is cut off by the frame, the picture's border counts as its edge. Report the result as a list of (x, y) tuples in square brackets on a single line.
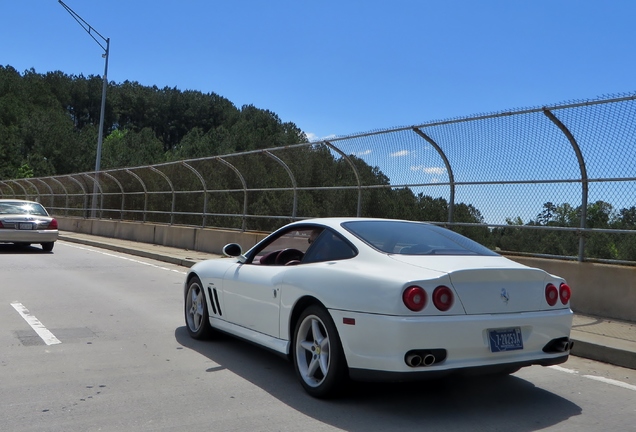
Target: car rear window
[(17, 207), (414, 238)]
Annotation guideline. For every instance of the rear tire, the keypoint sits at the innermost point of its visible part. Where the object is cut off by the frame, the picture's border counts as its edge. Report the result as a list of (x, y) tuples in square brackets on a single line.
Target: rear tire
[(317, 354), (196, 310), (47, 247)]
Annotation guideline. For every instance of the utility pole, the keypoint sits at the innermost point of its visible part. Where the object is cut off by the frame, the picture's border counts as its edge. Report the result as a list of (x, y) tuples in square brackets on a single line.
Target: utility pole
[(100, 137)]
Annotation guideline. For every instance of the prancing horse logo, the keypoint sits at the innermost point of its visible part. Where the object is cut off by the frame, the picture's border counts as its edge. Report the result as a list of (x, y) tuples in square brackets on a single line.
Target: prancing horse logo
[(504, 295)]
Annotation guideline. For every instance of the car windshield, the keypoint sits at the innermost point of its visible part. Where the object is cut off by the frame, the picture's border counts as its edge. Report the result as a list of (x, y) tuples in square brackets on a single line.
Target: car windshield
[(414, 238), (18, 207)]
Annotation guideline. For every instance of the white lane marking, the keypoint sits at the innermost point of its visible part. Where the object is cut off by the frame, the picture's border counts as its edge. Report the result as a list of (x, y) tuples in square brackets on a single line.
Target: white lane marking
[(612, 382), (596, 378), (562, 369), (48, 337), (124, 258)]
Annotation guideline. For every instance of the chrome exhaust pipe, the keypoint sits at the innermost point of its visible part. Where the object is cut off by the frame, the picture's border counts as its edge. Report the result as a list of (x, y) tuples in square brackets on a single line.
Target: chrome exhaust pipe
[(413, 360), (563, 346), (428, 360)]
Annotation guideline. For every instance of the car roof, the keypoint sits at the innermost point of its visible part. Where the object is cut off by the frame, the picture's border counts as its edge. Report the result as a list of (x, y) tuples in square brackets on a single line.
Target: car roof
[(335, 222), (18, 200)]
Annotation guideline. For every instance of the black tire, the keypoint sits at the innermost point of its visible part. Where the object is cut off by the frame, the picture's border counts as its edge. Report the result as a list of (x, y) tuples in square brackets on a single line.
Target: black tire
[(47, 247), (317, 354), (196, 310)]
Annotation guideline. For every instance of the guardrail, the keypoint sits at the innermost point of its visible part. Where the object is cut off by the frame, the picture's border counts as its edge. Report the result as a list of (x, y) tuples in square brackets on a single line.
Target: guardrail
[(554, 181)]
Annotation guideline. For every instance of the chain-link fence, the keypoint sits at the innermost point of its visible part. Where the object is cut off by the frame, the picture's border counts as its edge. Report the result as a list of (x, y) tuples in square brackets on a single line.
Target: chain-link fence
[(554, 181)]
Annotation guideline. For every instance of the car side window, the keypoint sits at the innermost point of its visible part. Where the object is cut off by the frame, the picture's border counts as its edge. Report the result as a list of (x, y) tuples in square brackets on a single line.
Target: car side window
[(328, 247), (287, 249)]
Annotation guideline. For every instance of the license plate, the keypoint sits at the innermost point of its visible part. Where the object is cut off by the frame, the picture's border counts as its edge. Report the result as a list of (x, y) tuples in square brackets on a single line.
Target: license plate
[(25, 226), (508, 339)]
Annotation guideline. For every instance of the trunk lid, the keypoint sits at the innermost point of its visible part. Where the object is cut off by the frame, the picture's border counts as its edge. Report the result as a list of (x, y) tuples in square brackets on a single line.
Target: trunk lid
[(489, 284)]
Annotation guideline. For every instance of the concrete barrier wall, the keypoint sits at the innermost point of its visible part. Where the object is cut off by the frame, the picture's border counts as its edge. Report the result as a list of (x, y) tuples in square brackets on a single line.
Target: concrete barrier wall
[(602, 290), (182, 237)]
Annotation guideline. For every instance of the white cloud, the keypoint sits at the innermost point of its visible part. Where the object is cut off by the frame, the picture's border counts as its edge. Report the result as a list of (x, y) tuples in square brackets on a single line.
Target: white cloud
[(312, 137), (435, 170), (400, 153), (364, 153), (429, 170)]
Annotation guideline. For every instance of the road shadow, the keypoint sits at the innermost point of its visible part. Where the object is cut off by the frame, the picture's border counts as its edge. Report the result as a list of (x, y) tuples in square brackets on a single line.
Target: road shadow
[(506, 403), (9, 248)]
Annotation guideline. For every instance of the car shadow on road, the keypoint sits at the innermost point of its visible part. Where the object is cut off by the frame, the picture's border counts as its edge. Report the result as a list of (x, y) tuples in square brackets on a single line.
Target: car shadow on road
[(506, 403), (8, 248)]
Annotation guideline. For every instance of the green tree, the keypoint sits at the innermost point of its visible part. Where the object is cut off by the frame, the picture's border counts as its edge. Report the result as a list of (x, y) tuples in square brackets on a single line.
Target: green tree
[(130, 149), (25, 171), (600, 214)]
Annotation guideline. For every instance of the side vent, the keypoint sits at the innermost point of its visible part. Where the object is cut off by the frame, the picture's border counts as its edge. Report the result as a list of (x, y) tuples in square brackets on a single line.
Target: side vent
[(216, 300), (212, 299)]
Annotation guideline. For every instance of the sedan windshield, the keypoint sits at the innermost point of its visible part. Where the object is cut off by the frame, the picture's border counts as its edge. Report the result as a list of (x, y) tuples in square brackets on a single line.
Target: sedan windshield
[(414, 238)]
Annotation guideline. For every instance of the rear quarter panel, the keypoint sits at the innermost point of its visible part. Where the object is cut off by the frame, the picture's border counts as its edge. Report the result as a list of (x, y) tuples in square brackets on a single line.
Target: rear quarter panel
[(353, 285)]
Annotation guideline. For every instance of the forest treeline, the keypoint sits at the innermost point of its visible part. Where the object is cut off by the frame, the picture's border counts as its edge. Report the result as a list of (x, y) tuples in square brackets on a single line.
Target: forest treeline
[(599, 215), (49, 126)]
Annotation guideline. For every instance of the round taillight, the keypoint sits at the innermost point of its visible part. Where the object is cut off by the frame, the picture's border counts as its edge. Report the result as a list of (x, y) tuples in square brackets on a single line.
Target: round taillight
[(414, 298), (551, 294), (565, 293), (443, 298)]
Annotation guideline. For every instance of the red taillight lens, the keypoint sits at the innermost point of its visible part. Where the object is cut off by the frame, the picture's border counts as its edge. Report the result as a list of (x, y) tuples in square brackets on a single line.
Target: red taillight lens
[(1, 226), (565, 293), (443, 298), (414, 298), (52, 225), (551, 294)]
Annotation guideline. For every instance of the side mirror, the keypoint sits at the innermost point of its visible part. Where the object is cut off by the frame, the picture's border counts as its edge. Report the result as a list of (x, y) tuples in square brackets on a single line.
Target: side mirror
[(232, 250)]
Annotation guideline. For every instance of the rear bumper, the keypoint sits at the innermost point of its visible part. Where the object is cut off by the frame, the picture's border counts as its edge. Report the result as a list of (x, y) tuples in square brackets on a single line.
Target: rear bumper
[(28, 236), (377, 344), (427, 374)]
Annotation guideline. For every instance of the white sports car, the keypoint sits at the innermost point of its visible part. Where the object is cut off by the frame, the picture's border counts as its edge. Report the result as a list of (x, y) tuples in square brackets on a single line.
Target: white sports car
[(378, 299)]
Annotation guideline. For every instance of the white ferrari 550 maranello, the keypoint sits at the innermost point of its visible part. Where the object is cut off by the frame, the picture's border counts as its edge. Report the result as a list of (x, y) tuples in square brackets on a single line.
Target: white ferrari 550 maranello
[(379, 299)]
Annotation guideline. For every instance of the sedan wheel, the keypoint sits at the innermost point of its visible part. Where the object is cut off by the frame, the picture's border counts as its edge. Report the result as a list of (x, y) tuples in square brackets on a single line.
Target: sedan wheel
[(318, 358), (47, 247), (196, 311)]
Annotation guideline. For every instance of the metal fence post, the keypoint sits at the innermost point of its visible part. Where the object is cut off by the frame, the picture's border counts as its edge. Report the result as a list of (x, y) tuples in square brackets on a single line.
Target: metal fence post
[(584, 182)]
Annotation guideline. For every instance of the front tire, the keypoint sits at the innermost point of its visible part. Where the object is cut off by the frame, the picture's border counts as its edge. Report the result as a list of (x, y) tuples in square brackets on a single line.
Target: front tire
[(196, 311), (317, 353)]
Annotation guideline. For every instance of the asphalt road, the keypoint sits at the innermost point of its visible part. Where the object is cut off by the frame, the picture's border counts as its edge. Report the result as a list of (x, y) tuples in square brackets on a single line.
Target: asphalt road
[(94, 340)]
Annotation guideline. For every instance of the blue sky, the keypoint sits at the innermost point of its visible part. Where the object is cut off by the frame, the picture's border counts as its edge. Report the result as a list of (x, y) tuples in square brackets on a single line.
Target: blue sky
[(341, 67)]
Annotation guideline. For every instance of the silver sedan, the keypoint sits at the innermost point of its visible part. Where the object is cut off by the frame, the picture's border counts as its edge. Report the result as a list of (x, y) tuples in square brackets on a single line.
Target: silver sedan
[(25, 222)]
